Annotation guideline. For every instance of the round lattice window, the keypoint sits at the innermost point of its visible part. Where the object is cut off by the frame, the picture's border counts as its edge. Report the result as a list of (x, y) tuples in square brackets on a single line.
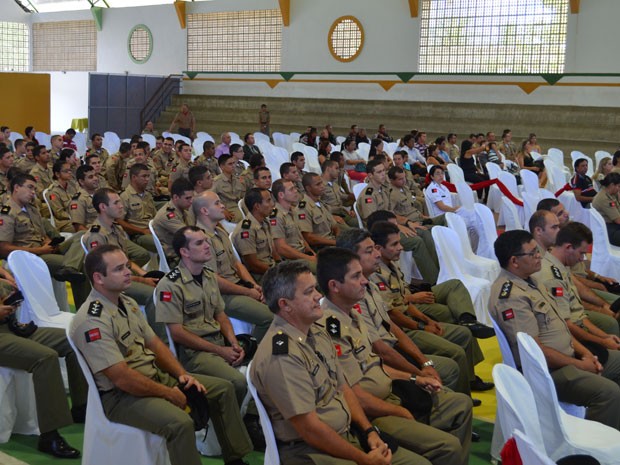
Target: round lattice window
[(140, 44), (346, 38)]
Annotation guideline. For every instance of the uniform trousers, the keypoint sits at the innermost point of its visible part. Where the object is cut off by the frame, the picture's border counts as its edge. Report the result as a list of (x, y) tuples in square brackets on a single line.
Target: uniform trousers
[(245, 308)]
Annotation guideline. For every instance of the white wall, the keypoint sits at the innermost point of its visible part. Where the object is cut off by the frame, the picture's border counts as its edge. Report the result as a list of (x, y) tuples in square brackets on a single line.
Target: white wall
[(69, 93), (11, 12)]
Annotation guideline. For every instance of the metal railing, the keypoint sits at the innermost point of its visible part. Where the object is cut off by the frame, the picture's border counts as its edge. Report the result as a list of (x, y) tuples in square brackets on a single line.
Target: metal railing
[(160, 99)]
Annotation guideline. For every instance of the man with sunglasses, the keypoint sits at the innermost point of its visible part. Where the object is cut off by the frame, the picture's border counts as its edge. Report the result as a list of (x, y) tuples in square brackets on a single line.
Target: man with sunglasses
[(519, 303)]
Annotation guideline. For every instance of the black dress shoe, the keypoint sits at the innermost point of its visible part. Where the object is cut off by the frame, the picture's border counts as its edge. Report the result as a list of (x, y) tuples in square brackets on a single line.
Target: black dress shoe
[(476, 402), (255, 431), (57, 447), (478, 330), (479, 385), (69, 274), (79, 413), (475, 437)]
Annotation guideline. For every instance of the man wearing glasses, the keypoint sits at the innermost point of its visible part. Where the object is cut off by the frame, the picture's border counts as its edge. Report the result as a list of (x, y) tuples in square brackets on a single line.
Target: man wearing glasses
[(519, 303)]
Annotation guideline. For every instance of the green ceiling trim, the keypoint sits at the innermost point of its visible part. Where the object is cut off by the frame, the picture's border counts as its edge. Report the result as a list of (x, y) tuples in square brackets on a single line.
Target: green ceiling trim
[(97, 12), (287, 76), (552, 78), (405, 77)]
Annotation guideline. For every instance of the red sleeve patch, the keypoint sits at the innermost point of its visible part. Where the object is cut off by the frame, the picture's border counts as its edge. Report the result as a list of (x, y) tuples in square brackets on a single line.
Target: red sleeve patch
[(434, 191), (170, 215), (273, 222), (1, 222), (368, 200), (245, 234), (338, 350), (92, 335), (558, 291), (358, 308), (302, 216), (74, 206), (508, 314), (382, 286), (94, 244), (52, 196), (165, 296)]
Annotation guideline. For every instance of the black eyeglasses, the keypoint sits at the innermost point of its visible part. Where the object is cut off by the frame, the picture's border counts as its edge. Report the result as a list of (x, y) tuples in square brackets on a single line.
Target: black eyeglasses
[(528, 254)]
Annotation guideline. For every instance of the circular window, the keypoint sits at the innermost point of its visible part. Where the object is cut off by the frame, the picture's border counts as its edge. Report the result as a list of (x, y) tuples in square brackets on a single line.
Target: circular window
[(346, 38), (140, 44)]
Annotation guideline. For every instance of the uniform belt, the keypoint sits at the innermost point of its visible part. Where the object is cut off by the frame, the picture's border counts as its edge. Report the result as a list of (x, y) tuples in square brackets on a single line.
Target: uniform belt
[(288, 443), (101, 393)]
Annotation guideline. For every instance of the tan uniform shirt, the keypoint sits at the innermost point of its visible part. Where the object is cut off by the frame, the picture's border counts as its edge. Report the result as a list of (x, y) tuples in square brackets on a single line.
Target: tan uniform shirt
[(180, 170), (44, 178), (353, 346), (391, 285), (284, 226), (556, 278), (115, 168), (314, 217), (247, 177), (81, 208), (23, 227), (210, 163), (372, 199), (151, 186), (334, 198), (607, 205), (518, 305), (181, 299), (106, 335), (222, 255), (139, 208), (99, 234), (230, 192), (296, 373), (402, 203), (375, 314), (60, 201), (251, 237), (24, 163), (101, 153), (168, 220), (164, 163)]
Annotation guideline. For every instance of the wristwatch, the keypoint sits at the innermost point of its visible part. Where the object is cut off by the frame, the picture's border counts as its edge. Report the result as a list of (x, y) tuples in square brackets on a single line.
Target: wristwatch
[(372, 429), (428, 363)]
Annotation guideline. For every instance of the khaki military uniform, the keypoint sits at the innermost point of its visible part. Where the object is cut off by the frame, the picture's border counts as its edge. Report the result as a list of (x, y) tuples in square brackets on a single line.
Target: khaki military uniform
[(164, 163), (38, 354), (183, 300), (519, 305), (314, 217), (608, 206), (372, 199), (240, 307), (180, 170), (334, 198), (139, 210), (230, 192), (151, 186), (103, 182), (284, 226), (24, 163), (114, 170), (296, 373), (247, 177), (168, 220), (375, 313), (210, 163), (238, 170), (44, 178), (101, 153), (404, 204), (4, 183), (59, 199), (448, 438), (81, 208), (457, 341), (251, 237), (106, 334)]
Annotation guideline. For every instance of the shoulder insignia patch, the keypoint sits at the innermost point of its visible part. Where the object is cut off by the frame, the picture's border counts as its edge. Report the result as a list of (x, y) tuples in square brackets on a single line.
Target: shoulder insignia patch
[(273, 221), (333, 326), (301, 204), (369, 190), (274, 213), (246, 224), (76, 196), (95, 308), (382, 286), (556, 272), (170, 215), (170, 209), (174, 274), (95, 228), (508, 314), (279, 344), (165, 296), (557, 291), (357, 308), (5, 209), (506, 289), (92, 335)]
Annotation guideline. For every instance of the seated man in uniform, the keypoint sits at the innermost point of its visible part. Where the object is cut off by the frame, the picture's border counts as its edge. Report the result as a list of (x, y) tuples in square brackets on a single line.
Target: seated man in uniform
[(229, 187), (242, 295), (208, 158), (315, 221), (81, 209), (335, 197), (519, 303), (296, 372), (443, 433), (289, 172), (201, 179), (252, 237), (139, 207), (403, 202), (59, 195), (140, 382)]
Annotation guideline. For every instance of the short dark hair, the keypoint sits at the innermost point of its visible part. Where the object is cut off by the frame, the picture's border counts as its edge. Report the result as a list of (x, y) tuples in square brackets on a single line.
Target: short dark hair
[(247, 136), (102, 196), (372, 164), (253, 197), (90, 157), (381, 230), (296, 156), (578, 162), (207, 145), (80, 173), (333, 263), (258, 170), (20, 179), (136, 168), (279, 282), (278, 186), (144, 145), (379, 215), (37, 150), (407, 138), (95, 135), (285, 168), (547, 204), (70, 132), (180, 186), (234, 148), (350, 238), (196, 173), (433, 169), (57, 166), (336, 156), (393, 171), (328, 164), (538, 219), (615, 158), (95, 263), (509, 244), (223, 159), (256, 160), (179, 239), (3, 151), (574, 233), (124, 147), (307, 179)]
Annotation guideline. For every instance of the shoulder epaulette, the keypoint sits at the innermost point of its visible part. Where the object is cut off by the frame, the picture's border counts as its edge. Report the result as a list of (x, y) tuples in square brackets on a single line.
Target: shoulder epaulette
[(76, 196), (369, 190), (301, 204), (279, 344), (246, 224), (274, 213), (506, 289), (95, 228), (95, 308), (174, 274), (556, 272), (170, 209), (5, 209), (333, 326)]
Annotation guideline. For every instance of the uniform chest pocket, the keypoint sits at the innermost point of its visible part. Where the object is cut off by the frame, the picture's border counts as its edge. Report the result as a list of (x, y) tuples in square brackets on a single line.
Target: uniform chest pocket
[(541, 312), (22, 226), (192, 309), (318, 219)]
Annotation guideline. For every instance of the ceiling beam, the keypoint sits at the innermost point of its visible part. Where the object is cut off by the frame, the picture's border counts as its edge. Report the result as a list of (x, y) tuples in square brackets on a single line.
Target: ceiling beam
[(179, 6), (413, 8), (574, 7), (285, 11)]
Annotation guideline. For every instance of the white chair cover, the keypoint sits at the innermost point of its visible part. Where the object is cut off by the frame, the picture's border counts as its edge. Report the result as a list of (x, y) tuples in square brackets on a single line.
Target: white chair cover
[(473, 264), (33, 279), (340, 139), (390, 148), (280, 140), (271, 449), (556, 156), (488, 233), (456, 173), (312, 159), (563, 434), (408, 266), (535, 156), (49, 207), (260, 137), (358, 188), (530, 202), (357, 213), (529, 181), (450, 254), (510, 215), (205, 136), (605, 257), (574, 208), (150, 139), (363, 149), (106, 442), (13, 136), (163, 261), (494, 202), (598, 156), (529, 452), (18, 412), (44, 139)]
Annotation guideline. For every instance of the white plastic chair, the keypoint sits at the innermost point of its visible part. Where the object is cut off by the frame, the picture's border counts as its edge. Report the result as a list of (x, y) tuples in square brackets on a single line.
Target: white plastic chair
[(363, 149), (281, 140), (456, 173), (18, 412), (574, 208), (260, 137), (163, 261), (33, 280), (111, 142), (357, 215), (494, 201), (340, 139), (150, 139), (599, 155), (358, 188), (312, 159), (106, 442), (451, 255), (563, 434), (556, 176), (556, 156), (510, 215), (535, 156), (529, 180), (44, 139), (390, 148), (529, 452), (530, 202), (80, 142), (473, 264), (204, 135), (605, 257), (13, 136), (488, 233), (271, 449), (49, 207)]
